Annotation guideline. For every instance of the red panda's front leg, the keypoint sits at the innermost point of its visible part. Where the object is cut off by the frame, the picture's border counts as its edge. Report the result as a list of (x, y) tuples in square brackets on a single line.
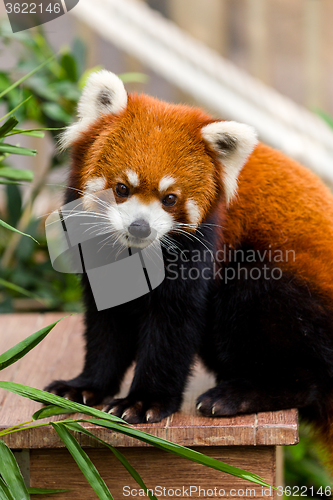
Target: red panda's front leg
[(160, 376), (111, 338), (168, 341)]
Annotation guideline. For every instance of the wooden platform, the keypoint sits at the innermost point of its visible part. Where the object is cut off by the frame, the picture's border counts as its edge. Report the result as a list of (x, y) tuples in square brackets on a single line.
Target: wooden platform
[(247, 441)]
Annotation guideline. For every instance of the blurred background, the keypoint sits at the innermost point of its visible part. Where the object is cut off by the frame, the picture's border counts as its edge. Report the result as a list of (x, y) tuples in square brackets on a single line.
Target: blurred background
[(266, 63)]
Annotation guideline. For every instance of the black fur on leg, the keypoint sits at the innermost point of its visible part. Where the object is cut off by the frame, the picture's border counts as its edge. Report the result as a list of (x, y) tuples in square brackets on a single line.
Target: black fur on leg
[(270, 345)]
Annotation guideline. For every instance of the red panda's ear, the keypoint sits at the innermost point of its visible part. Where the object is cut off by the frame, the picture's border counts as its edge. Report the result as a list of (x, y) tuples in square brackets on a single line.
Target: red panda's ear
[(233, 142), (104, 93)]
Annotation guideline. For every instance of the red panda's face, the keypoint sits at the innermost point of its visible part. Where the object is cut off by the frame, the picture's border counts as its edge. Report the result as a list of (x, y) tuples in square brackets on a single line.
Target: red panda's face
[(161, 161)]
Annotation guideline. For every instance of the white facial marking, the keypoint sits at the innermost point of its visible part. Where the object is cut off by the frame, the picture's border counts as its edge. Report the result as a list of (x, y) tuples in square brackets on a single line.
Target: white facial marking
[(133, 177), (165, 183), (193, 212), (93, 185), (133, 209)]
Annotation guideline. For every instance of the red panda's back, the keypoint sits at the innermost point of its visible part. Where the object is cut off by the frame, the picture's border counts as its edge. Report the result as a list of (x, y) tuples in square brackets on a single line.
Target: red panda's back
[(283, 206)]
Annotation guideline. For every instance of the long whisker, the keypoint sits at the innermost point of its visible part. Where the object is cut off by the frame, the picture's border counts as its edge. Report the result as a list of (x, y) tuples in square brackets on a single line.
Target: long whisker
[(192, 236)]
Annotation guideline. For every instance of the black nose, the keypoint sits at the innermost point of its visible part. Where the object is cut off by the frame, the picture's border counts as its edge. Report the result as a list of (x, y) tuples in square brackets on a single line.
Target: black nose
[(139, 228)]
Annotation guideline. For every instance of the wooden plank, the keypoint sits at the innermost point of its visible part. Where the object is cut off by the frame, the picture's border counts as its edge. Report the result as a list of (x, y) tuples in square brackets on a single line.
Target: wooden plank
[(277, 427), (57, 469), (60, 355)]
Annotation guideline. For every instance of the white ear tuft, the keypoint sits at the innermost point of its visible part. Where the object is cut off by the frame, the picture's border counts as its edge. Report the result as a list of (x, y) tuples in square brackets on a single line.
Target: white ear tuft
[(233, 142), (104, 93)]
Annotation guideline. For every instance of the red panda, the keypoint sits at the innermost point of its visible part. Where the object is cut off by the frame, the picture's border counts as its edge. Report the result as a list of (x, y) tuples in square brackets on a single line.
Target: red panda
[(254, 225)]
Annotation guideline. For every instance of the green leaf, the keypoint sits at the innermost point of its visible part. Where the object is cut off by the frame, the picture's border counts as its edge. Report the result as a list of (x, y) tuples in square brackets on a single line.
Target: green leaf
[(35, 132), (8, 183), (7, 226), (52, 399), (8, 126), (19, 350), (134, 77), (45, 491), (30, 133), (84, 463), (11, 87), (75, 426), (179, 450), (16, 174), (16, 107), (56, 112), (49, 411), (16, 150), (13, 205), (11, 474), (69, 65), (4, 491), (20, 290)]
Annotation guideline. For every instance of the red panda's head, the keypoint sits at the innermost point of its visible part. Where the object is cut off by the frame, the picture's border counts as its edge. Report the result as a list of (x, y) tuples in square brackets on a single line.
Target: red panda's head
[(166, 164)]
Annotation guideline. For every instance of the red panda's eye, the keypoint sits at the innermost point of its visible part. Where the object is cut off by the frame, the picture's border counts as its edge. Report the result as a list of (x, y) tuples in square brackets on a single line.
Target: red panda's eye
[(122, 190), (169, 200)]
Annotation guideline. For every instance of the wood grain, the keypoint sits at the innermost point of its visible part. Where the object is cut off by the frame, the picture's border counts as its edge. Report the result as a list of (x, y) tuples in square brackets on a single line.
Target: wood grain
[(60, 355), (57, 469)]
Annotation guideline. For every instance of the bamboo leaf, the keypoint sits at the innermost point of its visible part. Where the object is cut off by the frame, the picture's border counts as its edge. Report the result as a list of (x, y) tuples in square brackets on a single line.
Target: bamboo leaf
[(8, 126), (19, 350), (49, 411), (16, 174), (52, 399), (7, 226), (179, 450), (36, 131), (21, 290), (45, 491), (30, 133), (4, 491), (11, 474), (84, 463), (7, 182), (75, 426), (25, 77), (17, 150), (54, 111), (16, 107)]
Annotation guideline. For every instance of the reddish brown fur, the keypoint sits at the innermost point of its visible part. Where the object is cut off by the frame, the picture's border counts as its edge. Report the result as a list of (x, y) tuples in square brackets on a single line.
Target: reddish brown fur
[(282, 204)]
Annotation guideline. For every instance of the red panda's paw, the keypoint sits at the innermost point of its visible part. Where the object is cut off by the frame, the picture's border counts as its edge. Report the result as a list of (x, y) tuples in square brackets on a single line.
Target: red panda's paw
[(141, 410), (224, 400), (75, 392)]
